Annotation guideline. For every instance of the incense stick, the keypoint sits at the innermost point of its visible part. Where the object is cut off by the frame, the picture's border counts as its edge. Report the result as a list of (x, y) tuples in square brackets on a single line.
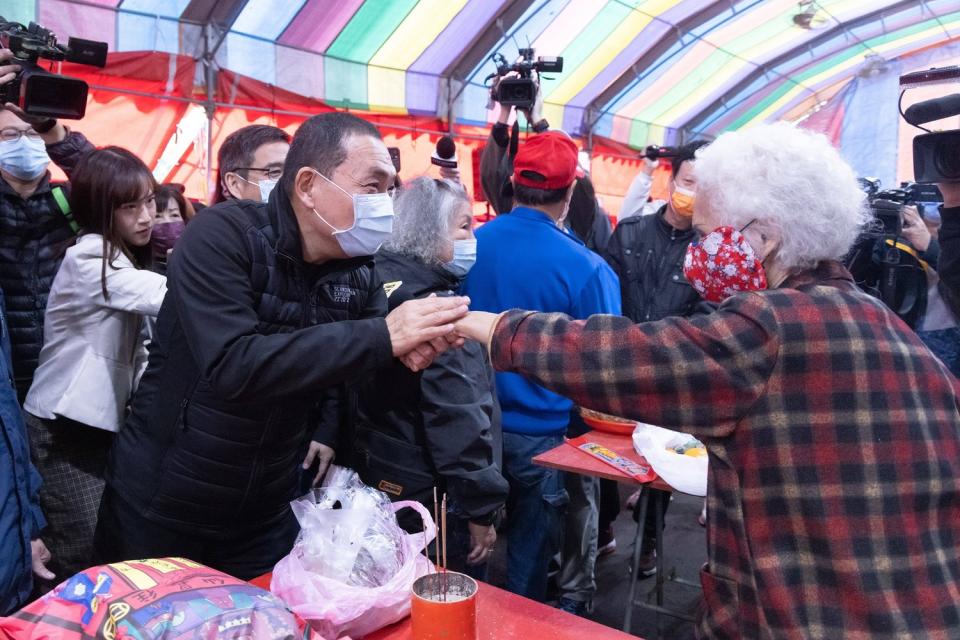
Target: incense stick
[(436, 524), (443, 517)]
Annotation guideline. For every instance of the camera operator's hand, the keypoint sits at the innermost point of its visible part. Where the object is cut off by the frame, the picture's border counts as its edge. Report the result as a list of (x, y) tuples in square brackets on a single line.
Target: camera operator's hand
[(504, 116), (7, 71), (535, 113), (50, 133), (914, 230), (649, 166)]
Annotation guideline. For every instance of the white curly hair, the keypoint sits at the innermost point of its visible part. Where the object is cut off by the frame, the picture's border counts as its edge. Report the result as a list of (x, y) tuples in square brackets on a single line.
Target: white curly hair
[(787, 179)]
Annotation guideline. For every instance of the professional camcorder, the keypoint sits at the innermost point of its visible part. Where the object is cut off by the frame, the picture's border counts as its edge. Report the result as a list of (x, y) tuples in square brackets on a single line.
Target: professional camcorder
[(37, 91), (653, 152), (521, 92), (881, 261), (936, 155)]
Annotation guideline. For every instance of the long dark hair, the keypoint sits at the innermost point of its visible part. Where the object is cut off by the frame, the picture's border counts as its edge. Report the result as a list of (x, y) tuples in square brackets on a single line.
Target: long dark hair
[(583, 209), (103, 180)]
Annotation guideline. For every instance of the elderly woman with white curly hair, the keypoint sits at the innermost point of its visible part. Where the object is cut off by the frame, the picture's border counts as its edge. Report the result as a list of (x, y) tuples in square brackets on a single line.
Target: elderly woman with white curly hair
[(833, 433), (440, 427)]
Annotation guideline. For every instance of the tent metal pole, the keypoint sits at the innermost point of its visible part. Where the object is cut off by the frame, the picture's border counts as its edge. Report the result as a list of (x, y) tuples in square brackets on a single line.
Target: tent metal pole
[(210, 105)]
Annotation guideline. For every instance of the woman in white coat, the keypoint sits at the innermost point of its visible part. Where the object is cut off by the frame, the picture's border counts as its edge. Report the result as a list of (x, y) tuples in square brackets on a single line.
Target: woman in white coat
[(93, 353)]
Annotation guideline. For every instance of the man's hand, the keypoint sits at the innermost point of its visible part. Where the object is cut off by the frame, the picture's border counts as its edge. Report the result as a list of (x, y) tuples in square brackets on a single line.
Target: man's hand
[(40, 556), (450, 173), (482, 540), (914, 230), (424, 355), (416, 322), (649, 166), (323, 453), (7, 71)]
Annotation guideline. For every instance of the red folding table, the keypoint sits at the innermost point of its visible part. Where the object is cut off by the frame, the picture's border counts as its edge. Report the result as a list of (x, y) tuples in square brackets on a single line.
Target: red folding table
[(571, 459)]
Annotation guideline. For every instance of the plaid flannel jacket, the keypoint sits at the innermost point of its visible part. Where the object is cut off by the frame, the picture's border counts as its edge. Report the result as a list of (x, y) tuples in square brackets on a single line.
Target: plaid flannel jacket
[(834, 442)]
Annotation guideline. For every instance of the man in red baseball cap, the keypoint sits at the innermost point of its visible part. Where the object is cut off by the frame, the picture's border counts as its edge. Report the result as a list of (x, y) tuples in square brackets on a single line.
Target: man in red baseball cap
[(526, 259)]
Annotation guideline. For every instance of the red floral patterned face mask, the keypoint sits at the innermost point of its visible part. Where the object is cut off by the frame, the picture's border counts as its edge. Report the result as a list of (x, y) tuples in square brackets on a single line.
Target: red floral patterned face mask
[(723, 263)]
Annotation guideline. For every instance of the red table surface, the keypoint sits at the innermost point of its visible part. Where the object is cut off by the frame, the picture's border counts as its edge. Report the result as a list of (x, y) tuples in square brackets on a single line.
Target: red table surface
[(568, 458), (502, 615)]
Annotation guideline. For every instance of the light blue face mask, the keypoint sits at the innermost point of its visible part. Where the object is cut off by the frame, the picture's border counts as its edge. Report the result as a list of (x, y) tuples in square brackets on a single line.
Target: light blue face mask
[(464, 257), (372, 222), (24, 158)]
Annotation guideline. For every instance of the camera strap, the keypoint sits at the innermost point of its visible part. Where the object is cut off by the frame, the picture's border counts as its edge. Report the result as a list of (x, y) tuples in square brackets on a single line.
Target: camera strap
[(64, 205)]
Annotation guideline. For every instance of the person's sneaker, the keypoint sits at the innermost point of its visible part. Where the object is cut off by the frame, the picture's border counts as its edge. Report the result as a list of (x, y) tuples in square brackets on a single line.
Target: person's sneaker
[(575, 607), (606, 543), (648, 563)]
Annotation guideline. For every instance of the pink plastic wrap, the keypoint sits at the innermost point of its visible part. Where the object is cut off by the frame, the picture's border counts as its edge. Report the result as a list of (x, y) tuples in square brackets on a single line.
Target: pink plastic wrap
[(352, 567)]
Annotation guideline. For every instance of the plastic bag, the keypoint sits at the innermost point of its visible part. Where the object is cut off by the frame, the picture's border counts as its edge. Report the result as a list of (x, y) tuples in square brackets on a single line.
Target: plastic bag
[(158, 599), (683, 473), (352, 568)]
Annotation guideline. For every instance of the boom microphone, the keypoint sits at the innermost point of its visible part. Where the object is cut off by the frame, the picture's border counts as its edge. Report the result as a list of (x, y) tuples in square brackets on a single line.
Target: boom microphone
[(445, 155), (929, 110)]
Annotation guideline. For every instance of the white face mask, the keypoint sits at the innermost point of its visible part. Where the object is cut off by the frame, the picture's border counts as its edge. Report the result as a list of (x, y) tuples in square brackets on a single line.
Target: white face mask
[(372, 222), (24, 158), (266, 187), (464, 257)]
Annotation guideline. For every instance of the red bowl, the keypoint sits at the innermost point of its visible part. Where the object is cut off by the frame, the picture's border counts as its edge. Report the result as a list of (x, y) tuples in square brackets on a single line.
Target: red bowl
[(609, 426)]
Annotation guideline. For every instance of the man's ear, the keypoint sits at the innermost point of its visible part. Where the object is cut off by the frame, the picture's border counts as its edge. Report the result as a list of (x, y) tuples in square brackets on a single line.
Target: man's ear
[(229, 182), (303, 187)]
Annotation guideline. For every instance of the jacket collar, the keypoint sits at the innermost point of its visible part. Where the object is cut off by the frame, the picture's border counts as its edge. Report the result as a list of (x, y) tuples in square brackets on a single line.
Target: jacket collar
[(828, 273), (282, 218), (536, 215), (43, 187), (422, 277), (682, 235)]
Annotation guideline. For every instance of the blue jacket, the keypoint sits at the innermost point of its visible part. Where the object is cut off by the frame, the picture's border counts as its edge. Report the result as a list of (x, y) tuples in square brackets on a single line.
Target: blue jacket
[(525, 261), (20, 517)]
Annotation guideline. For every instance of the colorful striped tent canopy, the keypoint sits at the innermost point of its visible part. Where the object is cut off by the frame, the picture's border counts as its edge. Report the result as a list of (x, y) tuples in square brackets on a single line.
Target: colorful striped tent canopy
[(635, 71)]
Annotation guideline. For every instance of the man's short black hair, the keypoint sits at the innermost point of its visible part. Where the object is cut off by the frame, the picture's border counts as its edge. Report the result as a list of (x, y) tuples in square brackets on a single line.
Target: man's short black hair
[(532, 197), (237, 150), (686, 153), (318, 143)]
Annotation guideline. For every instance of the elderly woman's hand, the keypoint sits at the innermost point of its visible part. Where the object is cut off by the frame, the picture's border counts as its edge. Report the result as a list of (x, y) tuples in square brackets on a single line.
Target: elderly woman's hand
[(477, 325), (914, 230)]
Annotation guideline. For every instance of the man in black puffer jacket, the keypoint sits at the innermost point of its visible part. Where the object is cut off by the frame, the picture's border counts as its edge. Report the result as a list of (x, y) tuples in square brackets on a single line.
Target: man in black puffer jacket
[(271, 307), (36, 225)]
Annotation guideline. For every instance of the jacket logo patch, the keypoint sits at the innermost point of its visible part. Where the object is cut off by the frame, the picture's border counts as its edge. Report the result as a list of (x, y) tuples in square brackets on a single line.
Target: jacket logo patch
[(341, 293), (389, 487), (390, 287)]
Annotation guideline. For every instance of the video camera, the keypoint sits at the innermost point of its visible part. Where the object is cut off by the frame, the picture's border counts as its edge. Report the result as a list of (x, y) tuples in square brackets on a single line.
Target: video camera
[(887, 205), (37, 91), (521, 92), (936, 155), (653, 152)]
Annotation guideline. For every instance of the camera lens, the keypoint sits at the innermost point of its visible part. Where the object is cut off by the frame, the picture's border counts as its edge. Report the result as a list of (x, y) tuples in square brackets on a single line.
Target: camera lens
[(946, 155)]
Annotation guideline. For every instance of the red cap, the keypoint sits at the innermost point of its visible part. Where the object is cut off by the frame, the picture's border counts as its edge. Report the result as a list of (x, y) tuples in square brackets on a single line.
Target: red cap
[(546, 161)]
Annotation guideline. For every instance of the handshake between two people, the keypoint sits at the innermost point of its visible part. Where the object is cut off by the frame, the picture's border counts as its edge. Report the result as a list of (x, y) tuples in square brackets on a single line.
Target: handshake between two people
[(420, 330)]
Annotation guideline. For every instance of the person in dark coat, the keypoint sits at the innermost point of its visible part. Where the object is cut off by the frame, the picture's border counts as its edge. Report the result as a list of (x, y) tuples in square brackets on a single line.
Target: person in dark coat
[(22, 551), (36, 224), (272, 309), (439, 427)]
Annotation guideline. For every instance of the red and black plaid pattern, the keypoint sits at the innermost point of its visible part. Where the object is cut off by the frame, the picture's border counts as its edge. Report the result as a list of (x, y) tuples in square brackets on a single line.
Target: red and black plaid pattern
[(834, 441)]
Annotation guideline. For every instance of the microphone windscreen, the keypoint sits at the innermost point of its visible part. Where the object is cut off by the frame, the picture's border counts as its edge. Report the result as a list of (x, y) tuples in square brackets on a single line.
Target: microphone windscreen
[(446, 147)]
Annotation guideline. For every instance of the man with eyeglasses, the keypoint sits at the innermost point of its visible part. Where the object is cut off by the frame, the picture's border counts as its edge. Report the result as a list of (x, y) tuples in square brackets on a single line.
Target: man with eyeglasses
[(273, 310), (36, 223), (250, 163)]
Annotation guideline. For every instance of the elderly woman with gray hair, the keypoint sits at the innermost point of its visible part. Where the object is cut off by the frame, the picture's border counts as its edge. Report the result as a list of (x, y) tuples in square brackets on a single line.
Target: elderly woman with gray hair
[(833, 433), (439, 427)]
